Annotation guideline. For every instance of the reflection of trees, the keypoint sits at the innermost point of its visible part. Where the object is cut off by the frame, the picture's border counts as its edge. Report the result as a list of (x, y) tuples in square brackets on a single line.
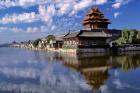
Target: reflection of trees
[(129, 62)]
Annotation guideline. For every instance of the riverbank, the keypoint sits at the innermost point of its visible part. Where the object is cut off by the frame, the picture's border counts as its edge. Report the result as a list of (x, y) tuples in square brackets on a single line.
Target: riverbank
[(105, 50), (27, 47)]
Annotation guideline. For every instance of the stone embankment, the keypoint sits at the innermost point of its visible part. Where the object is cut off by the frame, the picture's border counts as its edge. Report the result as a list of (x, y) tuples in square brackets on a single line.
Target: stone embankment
[(117, 49)]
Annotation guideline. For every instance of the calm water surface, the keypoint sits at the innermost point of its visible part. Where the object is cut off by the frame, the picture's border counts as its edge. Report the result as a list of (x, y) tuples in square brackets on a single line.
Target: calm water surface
[(27, 71)]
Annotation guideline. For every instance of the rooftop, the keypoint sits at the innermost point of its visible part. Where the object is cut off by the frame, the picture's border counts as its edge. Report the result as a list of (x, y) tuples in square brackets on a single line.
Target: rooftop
[(95, 19), (88, 33)]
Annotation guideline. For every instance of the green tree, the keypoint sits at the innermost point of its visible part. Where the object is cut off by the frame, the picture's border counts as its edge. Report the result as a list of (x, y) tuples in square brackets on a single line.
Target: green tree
[(50, 37), (128, 37), (36, 42)]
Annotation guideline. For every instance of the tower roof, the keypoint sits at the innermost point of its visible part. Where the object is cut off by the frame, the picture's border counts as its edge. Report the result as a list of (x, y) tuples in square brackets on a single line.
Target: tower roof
[(95, 17), (94, 11)]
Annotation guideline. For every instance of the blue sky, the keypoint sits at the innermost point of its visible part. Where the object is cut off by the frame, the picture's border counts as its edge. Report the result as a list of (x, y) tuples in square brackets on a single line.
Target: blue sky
[(22, 20)]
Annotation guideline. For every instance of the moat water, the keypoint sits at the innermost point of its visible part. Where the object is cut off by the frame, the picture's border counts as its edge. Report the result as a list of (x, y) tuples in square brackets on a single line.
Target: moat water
[(28, 71)]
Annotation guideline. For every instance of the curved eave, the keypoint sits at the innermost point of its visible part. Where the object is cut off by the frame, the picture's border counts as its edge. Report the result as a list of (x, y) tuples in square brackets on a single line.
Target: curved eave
[(84, 23), (92, 13), (88, 19)]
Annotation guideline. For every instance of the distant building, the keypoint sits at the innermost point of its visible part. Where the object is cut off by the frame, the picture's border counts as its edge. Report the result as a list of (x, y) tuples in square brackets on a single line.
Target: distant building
[(57, 43)]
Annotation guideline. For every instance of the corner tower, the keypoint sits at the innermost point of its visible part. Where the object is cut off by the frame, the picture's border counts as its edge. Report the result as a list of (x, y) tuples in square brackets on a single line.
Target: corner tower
[(95, 20)]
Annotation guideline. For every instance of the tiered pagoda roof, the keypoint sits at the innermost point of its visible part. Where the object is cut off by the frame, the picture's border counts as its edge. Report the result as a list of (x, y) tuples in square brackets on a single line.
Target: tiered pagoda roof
[(95, 19)]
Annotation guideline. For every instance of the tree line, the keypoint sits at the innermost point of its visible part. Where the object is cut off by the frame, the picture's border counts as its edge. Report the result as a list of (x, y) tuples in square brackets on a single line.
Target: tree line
[(128, 37)]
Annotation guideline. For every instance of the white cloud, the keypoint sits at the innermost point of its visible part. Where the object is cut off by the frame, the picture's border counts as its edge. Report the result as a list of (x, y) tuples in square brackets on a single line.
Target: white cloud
[(86, 3), (47, 10), (11, 29), (46, 14), (53, 27), (32, 29), (119, 3), (116, 14), (98, 2), (16, 29), (64, 8), (48, 28), (26, 2), (44, 28), (15, 18), (81, 5), (116, 5), (22, 3)]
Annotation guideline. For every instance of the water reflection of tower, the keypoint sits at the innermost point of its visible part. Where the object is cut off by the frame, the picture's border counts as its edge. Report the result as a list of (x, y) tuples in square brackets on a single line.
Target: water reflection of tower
[(96, 77), (94, 69)]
